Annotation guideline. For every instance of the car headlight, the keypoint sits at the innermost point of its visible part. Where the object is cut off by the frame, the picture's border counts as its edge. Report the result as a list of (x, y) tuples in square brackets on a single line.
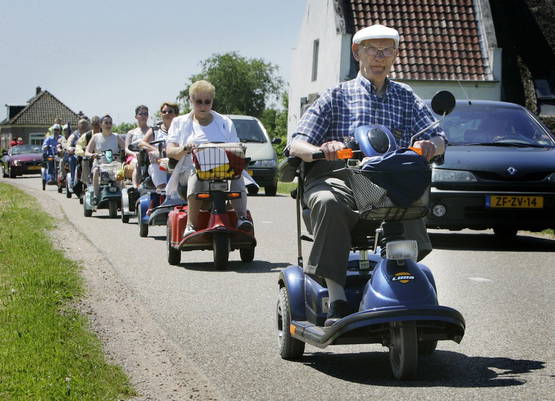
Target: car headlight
[(265, 163), (441, 175), (16, 162)]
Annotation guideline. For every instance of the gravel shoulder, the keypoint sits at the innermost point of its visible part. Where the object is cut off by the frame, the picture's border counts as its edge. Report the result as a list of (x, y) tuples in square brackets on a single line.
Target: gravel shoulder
[(130, 336)]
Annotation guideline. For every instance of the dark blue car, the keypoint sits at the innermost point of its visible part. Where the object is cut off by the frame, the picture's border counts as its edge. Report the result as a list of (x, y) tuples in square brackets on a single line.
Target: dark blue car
[(498, 171)]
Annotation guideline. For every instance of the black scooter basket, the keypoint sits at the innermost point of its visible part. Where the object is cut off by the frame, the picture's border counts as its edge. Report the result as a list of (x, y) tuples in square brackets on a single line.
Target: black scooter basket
[(373, 202)]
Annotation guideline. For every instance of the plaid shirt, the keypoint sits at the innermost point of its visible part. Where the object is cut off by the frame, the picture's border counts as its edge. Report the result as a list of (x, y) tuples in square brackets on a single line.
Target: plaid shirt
[(339, 111)]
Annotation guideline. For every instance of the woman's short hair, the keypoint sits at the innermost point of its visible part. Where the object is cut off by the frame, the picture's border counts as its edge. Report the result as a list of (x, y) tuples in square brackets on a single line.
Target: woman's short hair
[(202, 86), (171, 105), (95, 120), (106, 116), (139, 108)]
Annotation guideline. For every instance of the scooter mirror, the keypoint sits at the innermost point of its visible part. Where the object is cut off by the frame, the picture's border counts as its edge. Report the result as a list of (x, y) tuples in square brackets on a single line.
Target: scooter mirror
[(443, 103)]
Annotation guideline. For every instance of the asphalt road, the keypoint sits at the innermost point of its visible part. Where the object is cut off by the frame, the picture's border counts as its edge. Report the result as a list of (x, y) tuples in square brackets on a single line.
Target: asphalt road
[(224, 321)]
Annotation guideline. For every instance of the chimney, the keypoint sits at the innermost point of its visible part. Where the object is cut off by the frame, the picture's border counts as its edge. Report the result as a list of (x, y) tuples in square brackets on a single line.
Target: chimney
[(38, 90)]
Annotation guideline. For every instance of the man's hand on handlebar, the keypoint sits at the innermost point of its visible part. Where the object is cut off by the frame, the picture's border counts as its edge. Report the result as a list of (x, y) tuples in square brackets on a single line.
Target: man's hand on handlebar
[(428, 149), (330, 149)]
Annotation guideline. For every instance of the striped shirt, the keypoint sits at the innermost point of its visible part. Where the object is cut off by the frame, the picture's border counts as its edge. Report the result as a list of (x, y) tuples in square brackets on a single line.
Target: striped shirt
[(339, 111)]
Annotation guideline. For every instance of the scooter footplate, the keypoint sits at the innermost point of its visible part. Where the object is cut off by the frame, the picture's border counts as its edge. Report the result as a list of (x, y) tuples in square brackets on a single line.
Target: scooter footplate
[(372, 326)]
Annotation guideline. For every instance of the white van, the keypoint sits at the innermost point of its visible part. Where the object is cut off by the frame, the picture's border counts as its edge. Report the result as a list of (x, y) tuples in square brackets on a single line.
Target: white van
[(263, 158)]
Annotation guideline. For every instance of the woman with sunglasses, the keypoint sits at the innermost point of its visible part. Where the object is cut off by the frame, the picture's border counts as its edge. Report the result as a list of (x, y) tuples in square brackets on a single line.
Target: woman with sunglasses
[(168, 112), (203, 125), (134, 136), (98, 145)]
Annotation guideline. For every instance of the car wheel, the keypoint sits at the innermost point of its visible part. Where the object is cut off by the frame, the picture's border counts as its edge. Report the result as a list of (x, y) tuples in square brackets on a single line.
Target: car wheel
[(270, 190), (252, 189), (12, 173), (505, 233)]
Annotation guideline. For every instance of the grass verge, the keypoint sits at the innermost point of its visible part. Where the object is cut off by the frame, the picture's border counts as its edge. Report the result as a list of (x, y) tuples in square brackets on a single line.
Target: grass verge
[(46, 350), (286, 187)]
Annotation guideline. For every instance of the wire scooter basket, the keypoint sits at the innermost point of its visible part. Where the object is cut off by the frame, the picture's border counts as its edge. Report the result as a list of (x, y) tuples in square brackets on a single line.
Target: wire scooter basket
[(224, 161), (373, 203)]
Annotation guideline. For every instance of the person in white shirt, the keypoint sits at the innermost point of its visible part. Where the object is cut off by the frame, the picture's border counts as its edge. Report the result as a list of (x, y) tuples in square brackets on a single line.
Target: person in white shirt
[(134, 136), (169, 111), (204, 125)]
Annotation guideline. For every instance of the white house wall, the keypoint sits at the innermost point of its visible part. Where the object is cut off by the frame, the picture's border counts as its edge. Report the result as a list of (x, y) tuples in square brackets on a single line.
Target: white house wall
[(319, 23)]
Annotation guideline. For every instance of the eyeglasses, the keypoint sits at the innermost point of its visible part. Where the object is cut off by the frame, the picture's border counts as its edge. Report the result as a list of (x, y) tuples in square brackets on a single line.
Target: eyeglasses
[(143, 113), (385, 51), (205, 101), (170, 111)]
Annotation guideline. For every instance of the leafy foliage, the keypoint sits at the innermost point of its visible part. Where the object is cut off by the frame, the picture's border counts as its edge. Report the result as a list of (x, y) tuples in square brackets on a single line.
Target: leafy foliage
[(123, 128), (242, 85), (275, 122)]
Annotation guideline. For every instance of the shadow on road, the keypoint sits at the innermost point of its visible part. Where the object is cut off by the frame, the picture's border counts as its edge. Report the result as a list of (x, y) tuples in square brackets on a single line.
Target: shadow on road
[(443, 368), (256, 266), (488, 242)]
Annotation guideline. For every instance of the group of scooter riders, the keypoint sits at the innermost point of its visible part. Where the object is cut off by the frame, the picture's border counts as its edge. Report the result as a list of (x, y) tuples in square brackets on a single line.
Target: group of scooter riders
[(370, 98)]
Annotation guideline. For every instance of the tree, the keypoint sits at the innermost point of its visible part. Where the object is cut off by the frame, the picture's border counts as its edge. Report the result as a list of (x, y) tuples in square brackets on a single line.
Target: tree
[(242, 85), (123, 128), (275, 122)]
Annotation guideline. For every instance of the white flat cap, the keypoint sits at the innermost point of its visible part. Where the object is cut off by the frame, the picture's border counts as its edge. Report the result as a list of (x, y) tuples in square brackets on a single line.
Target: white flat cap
[(376, 32)]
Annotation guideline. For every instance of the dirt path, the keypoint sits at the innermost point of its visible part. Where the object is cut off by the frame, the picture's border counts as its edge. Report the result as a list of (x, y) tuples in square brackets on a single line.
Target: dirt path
[(130, 337)]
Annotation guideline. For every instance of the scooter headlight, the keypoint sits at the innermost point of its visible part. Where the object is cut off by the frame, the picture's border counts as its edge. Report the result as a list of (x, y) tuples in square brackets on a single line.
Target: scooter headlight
[(401, 250)]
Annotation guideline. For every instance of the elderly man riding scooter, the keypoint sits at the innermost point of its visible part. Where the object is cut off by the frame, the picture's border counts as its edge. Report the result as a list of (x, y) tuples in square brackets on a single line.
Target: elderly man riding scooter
[(370, 98)]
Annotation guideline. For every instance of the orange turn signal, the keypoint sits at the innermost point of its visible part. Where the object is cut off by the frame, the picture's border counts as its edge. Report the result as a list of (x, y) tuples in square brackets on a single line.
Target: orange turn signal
[(416, 150), (233, 195), (203, 196), (292, 329), (345, 154)]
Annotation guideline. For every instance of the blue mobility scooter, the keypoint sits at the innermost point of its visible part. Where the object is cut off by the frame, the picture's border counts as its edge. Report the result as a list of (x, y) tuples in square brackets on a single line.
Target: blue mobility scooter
[(49, 168), (131, 195), (152, 208), (395, 298), (110, 191)]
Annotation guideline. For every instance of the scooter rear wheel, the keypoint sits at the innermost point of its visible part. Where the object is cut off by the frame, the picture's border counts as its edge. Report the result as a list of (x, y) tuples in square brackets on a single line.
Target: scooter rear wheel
[(247, 254), (220, 245), (68, 192), (403, 350), (43, 184), (289, 347)]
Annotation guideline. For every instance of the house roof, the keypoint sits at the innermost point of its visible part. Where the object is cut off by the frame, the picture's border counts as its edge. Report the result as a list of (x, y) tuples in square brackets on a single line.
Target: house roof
[(42, 110), (440, 39)]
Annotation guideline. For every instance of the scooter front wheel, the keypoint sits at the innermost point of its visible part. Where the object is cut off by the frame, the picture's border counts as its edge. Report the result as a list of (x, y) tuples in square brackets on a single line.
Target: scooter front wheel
[(289, 347), (403, 350), (43, 184), (113, 208), (220, 245), (174, 255)]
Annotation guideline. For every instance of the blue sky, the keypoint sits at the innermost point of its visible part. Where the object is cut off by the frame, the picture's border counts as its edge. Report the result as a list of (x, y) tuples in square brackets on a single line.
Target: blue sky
[(109, 56)]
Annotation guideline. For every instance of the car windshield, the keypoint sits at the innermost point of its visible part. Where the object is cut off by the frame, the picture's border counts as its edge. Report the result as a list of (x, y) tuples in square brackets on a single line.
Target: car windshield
[(494, 125), (21, 149), (249, 130)]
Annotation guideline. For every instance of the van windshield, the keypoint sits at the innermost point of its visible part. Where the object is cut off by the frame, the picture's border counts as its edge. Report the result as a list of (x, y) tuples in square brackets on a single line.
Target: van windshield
[(249, 131)]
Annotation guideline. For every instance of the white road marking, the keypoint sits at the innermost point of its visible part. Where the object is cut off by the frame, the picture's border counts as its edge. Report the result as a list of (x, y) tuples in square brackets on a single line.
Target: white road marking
[(480, 279)]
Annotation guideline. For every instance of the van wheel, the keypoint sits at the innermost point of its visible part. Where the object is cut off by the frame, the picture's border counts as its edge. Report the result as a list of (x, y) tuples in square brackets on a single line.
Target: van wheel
[(270, 190), (252, 189)]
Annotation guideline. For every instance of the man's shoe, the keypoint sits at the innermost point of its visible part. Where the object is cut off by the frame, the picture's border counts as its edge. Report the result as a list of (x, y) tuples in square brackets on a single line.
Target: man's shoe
[(188, 230), (244, 224), (338, 310)]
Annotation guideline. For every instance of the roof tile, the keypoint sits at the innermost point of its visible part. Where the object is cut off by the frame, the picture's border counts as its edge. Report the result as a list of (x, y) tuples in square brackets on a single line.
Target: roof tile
[(439, 38)]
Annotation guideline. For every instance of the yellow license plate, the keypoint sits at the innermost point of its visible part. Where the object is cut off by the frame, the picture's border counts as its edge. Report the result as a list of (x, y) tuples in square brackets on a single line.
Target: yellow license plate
[(514, 202), (33, 168), (250, 172)]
